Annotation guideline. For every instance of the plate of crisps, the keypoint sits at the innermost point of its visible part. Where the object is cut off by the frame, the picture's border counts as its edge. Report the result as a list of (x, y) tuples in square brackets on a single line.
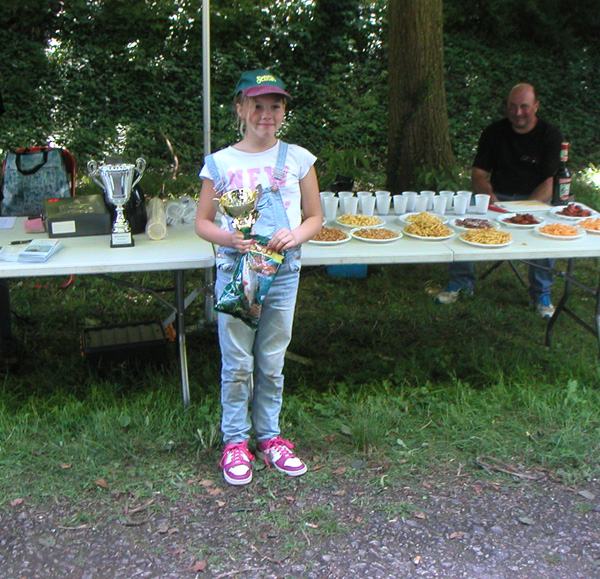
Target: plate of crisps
[(560, 231), (488, 238), (358, 220), (417, 235), (330, 236), (411, 217), (375, 234), (591, 225)]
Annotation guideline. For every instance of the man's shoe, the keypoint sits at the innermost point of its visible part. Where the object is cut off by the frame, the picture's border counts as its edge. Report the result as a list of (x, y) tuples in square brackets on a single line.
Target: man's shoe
[(235, 463), (451, 294), (278, 452), (544, 307)]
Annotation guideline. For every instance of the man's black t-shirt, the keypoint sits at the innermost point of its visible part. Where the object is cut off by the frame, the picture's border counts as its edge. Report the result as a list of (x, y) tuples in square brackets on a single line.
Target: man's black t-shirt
[(518, 162)]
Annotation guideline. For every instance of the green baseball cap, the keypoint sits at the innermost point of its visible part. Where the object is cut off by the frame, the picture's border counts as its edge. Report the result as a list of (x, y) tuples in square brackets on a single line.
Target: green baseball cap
[(258, 82)]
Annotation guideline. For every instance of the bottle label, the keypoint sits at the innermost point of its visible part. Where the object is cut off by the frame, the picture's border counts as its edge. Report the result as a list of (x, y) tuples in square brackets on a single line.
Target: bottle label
[(564, 189)]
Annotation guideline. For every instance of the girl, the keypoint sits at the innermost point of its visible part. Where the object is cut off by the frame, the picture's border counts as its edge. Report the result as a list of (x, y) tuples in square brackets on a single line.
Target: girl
[(252, 360)]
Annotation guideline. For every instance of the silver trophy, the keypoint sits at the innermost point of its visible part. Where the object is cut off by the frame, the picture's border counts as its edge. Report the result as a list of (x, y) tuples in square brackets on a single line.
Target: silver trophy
[(118, 182)]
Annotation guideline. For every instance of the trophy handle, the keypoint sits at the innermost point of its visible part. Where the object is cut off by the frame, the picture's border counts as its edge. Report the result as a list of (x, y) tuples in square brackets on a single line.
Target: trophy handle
[(140, 166), (92, 168)]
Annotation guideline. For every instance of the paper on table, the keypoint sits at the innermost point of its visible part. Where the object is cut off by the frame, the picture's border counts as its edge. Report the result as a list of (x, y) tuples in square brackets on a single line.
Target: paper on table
[(524, 205), (7, 222), (39, 250)]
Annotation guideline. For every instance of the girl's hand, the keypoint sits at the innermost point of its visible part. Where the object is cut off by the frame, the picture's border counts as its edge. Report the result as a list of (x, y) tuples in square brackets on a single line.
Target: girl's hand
[(239, 242), (282, 240)]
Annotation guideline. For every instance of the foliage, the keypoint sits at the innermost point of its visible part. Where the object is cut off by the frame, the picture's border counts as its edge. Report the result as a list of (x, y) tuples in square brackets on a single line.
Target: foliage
[(82, 75)]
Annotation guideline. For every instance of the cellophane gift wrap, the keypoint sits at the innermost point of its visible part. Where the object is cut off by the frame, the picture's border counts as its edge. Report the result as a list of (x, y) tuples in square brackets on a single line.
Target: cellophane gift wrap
[(253, 275)]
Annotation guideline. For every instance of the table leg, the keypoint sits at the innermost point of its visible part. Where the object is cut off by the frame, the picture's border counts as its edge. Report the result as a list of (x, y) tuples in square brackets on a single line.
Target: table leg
[(180, 306), (562, 302)]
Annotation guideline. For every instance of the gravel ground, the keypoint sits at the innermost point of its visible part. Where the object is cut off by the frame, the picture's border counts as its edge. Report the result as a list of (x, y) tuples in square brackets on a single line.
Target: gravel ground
[(446, 525)]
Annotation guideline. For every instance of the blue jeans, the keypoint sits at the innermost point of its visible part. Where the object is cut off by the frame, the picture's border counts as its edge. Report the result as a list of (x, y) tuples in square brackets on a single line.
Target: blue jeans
[(462, 273), (462, 276), (252, 361)]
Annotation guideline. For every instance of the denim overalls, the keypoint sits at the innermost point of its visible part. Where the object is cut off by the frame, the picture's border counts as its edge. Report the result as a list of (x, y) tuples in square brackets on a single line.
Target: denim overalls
[(252, 360)]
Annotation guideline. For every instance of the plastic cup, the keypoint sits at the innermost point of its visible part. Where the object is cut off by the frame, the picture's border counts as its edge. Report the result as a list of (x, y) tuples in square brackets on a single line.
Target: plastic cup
[(368, 205), (466, 194), (343, 194), (412, 198), (349, 204), (330, 205), (447, 195), (421, 203), (382, 200), (439, 205), (460, 205), (364, 195), (429, 195), (482, 202), (400, 202)]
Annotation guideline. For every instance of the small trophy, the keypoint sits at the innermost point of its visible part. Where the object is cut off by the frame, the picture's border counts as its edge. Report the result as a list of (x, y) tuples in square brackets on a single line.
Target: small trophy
[(118, 182), (240, 205)]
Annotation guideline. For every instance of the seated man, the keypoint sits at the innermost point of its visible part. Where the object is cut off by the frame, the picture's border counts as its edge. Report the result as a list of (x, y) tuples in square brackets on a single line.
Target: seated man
[(516, 159)]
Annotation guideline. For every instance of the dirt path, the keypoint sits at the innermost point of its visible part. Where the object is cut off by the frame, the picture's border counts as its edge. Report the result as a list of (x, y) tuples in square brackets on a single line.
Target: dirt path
[(345, 523)]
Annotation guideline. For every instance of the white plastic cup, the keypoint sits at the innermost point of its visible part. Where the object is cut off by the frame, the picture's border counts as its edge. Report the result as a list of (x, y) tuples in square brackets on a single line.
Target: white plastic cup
[(412, 198), (400, 202), (324, 195), (342, 194), (383, 199), (421, 203), (439, 205), (448, 196), (330, 205), (460, 205), (363, 195), (429, 195), (368, 205), (482, 202), (350, 204), (466, 194)]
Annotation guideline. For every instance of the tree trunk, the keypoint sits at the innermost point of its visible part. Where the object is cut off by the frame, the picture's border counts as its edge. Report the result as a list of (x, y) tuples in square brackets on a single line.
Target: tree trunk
[(418, 121)]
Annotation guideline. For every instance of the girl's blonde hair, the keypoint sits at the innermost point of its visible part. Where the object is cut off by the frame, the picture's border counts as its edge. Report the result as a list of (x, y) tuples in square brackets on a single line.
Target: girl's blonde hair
[(248, 104)]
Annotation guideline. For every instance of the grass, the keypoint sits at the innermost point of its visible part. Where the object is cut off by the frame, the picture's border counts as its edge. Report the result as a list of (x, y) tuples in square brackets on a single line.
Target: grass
[(388, 378)]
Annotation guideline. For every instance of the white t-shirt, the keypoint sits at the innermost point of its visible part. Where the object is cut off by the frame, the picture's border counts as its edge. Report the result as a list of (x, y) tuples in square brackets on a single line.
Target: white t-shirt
[(247, 170)]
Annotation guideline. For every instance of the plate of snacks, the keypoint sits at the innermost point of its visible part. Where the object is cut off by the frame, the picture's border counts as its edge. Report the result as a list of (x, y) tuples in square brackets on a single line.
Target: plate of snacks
[(375, 234), (408, 218), (358, 220), (572, 211), (561, 231), (490, 237), (591, 224), (428, 226), (330, 236), (471, 223), (520, 220)]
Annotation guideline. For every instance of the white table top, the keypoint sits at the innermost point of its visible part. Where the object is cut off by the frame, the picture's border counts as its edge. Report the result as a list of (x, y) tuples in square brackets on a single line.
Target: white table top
[(527, 244), (183, 249), (180, 249)]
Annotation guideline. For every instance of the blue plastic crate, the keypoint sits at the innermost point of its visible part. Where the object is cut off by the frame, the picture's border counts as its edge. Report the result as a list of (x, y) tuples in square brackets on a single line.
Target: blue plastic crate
[(347, 271)]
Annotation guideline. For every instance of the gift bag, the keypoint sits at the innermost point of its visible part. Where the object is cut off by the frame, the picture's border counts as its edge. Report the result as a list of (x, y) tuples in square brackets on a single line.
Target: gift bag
[(31, 175), (253, 275)]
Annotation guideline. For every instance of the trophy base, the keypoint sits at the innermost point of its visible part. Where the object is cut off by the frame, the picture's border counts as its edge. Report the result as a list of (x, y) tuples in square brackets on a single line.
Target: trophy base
[(121, 240)]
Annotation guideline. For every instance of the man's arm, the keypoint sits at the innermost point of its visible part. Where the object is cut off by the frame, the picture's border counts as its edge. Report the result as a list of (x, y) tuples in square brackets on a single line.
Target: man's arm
[(543, 192), (480, 183)]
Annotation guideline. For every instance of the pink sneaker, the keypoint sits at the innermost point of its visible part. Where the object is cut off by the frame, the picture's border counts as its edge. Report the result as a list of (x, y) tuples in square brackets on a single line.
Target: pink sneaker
[(278, 453), (236, 463)]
